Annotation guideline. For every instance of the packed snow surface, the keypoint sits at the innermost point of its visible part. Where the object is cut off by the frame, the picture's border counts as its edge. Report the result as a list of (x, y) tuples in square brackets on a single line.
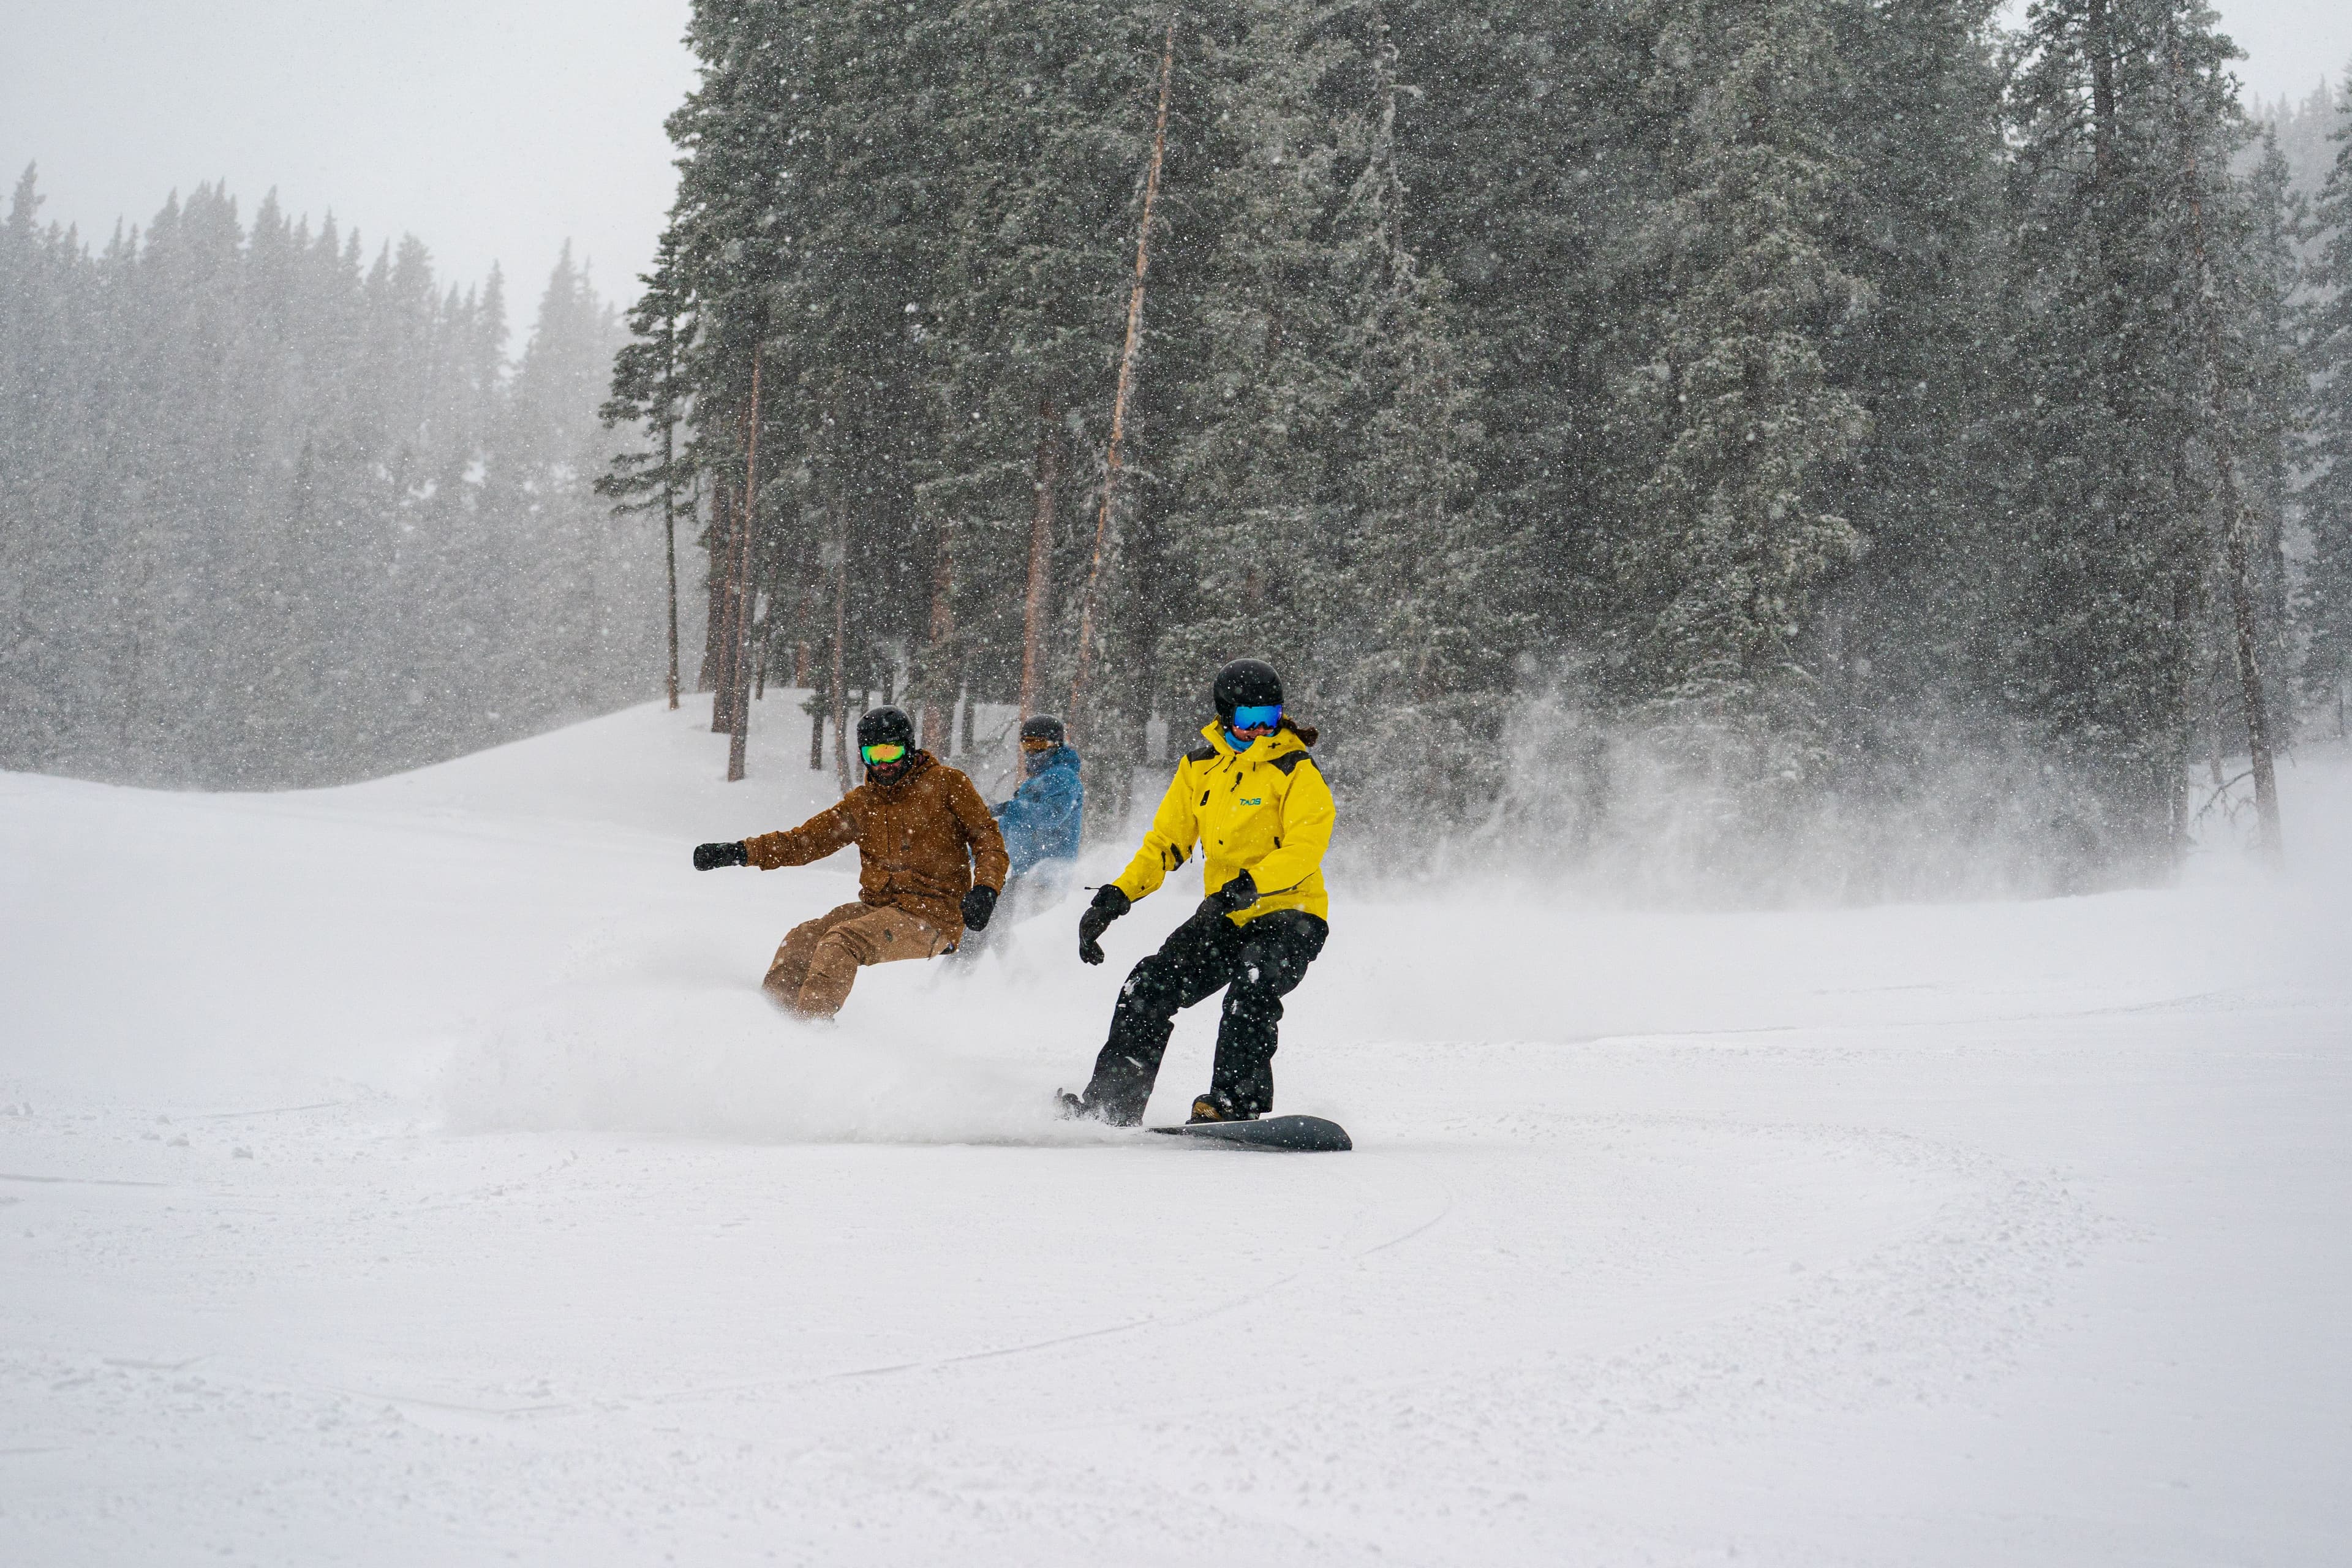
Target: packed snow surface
[(413, 1173)]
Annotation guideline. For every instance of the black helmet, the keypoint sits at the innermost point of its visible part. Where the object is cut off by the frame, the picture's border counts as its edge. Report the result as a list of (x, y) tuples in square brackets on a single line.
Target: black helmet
[(1044, 727), (879, 726), (1244, 683)]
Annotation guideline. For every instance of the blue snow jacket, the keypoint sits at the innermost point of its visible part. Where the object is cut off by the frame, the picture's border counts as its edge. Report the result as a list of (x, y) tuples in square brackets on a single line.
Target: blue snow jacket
[(1041, 820)]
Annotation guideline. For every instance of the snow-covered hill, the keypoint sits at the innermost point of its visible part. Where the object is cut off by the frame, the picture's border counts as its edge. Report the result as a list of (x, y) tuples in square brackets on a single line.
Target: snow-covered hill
[(411, 1173)]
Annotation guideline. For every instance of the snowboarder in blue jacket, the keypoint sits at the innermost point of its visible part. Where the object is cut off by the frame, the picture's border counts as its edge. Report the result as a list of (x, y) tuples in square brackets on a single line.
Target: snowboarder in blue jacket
[(1041, 821), (1040, 824)]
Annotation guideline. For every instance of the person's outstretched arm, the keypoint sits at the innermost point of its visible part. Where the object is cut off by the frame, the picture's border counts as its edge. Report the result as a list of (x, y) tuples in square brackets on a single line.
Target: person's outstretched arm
[(830, 829)]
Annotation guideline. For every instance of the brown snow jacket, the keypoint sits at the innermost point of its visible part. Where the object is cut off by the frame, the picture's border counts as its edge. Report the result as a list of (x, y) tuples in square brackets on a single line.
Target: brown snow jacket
[(921, 842)]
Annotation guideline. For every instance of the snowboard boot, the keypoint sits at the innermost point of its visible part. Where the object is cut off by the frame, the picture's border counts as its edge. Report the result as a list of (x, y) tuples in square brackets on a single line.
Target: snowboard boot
[(1085, 1108), (1218, 1105)]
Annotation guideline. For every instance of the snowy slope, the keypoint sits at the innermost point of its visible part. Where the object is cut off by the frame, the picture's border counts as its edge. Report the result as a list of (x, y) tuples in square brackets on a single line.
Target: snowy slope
[(411, 1173)]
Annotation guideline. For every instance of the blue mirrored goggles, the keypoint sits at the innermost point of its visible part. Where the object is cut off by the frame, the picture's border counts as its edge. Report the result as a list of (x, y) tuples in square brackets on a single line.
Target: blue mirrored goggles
[(1264, 716)]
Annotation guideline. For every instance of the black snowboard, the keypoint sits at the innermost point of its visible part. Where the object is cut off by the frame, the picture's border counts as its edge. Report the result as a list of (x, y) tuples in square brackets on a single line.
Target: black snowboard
[(1294, 1134)]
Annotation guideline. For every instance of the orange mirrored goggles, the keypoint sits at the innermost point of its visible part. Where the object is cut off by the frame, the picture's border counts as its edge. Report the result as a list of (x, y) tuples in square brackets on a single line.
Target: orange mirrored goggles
[(1037, 743), (888, 751)]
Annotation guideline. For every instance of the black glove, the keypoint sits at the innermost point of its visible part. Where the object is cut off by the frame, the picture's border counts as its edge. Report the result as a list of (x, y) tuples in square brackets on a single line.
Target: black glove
[(1108, 905), (710, 856), (978, 906), (1234, 896)]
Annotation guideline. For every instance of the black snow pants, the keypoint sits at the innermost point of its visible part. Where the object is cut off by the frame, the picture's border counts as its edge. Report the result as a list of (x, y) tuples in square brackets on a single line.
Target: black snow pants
[(1255, 965)]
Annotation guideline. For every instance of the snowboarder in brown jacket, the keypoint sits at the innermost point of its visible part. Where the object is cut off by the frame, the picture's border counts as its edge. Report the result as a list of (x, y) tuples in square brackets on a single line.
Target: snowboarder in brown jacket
[(930, 863)]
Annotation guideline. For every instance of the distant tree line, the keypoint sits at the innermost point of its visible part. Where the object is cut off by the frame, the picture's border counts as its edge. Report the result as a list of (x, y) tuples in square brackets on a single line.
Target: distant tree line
[(274, 513), (1854, 418)]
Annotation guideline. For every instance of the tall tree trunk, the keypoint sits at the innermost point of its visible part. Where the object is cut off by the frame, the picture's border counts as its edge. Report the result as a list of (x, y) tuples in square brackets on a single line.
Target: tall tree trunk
[(1041, 560), (2098, 45), (1075, 719), (719, 638), (841, 639), (669, 554), (2237, 522), (136, 620), (942, 633), (669, 494), (740, 730), (803, 606), (2247, 617)]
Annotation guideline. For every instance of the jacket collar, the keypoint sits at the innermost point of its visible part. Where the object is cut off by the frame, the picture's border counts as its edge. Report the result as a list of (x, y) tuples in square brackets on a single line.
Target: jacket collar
[(1261, 750)]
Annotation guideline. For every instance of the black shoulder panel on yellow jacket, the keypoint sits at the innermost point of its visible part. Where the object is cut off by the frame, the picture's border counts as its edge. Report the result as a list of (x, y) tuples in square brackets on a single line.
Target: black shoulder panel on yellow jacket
[(1289, 760), (1203, 753)]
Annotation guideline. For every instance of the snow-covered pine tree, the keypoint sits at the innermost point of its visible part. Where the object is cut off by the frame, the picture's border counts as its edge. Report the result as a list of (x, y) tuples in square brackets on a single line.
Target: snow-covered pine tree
[(1246, 515), (260, 536), (44, 693), (2241, 232), (2113, 489), (1316, 496), (1418, 629), (1906, 646), (1731, 534), (546, 455), (647, 395), (1048, 112), (2324, 597), (1530, 155)]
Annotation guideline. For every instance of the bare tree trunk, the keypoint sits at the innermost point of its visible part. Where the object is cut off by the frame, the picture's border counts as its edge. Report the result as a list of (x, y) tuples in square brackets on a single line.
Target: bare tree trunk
[(803, 608), (2237, 567), (1041, 560), (137, 621), (2099, 45), (942, 633), (1076, 716), (669, 496), (740, 729), (841, 641), (669, 554), (2249, 671), (718, 660)]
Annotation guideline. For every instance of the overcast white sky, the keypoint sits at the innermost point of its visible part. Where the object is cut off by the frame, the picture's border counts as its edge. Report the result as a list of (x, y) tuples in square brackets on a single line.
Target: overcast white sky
[(2291, 45), (490, 128)]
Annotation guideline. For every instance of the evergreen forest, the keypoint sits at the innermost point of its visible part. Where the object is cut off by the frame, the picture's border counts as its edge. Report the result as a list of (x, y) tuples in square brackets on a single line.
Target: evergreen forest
[(1851, 448), (276, 511), (1735, 434)]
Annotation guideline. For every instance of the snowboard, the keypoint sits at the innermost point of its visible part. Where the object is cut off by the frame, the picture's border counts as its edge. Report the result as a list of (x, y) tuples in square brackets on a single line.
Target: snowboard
[(1293, 1134)]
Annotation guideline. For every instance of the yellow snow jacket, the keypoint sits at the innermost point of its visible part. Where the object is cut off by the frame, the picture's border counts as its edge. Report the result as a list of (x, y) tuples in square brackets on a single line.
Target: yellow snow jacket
[(1265, 811)]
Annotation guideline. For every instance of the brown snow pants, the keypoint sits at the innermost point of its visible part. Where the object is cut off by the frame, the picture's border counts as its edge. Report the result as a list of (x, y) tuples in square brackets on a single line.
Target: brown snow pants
[(819, 961)]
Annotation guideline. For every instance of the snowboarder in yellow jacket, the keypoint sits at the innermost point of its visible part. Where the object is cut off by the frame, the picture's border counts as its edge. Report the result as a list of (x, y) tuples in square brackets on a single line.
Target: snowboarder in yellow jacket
[(1251, 798)]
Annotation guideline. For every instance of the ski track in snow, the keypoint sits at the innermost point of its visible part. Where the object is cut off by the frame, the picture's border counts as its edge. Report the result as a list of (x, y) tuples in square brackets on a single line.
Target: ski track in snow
[(412, 1172)]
